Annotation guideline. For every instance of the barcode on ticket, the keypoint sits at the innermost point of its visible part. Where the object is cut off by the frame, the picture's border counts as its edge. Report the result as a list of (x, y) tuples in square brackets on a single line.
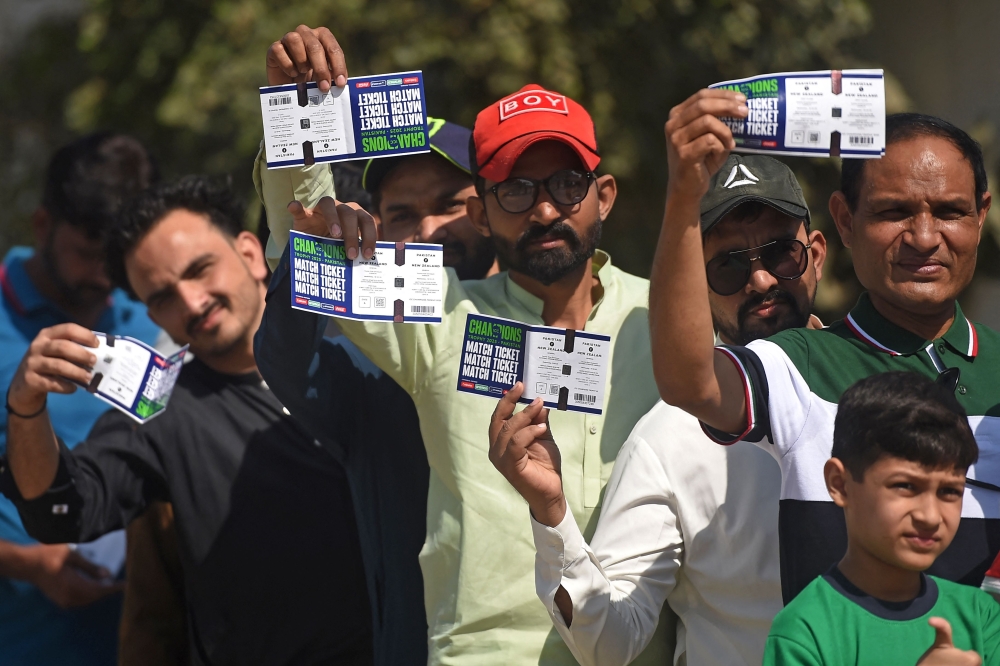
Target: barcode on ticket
[(422, 309), (281, 100), (585, 398), (861, 139)]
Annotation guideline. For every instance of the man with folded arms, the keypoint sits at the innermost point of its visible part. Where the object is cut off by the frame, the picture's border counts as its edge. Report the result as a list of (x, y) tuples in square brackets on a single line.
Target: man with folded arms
[(685, 520), (913, 221), (543, 206)]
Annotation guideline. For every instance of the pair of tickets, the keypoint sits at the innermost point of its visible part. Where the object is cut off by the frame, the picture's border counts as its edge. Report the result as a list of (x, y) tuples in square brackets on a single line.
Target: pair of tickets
[(132, 376), (565, 367), (371, 116), (835, 113)]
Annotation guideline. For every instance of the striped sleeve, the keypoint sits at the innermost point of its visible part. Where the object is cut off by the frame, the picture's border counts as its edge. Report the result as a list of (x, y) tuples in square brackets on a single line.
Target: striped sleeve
[(756, 392)]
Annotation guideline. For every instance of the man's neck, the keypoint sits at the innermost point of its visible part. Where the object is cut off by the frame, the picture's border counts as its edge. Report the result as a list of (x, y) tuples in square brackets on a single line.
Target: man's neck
[(41, 276), (927, 325), (567, 303), (877, 578)]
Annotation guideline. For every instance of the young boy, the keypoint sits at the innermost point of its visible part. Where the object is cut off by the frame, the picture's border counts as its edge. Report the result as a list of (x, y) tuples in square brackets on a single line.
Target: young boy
[(901, 448)]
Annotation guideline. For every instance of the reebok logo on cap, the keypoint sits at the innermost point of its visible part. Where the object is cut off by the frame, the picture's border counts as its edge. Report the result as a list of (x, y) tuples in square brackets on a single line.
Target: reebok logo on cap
[(527, 101), (748, 179)]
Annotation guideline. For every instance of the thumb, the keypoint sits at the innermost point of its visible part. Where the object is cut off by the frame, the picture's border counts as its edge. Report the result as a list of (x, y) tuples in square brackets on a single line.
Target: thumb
[(942, 633), (81, 563)]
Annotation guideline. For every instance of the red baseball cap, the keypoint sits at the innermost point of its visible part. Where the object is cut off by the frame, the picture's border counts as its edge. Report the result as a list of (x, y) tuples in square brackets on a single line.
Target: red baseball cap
[(505, 129)]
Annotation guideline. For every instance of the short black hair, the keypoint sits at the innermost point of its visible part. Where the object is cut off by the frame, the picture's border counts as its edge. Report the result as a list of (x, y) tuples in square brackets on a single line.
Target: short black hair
[(88, 180), (903, 126), (211, 197), (904, 415)]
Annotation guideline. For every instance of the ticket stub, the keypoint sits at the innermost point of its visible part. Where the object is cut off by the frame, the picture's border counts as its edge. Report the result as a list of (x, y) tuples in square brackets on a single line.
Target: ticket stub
[(402, 282), (133, 377), (834, 113), (567, 368), (372, 116)]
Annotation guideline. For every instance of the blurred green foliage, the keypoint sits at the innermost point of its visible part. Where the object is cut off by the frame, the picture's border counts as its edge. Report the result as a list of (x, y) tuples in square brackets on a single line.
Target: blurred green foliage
[(182, 75)]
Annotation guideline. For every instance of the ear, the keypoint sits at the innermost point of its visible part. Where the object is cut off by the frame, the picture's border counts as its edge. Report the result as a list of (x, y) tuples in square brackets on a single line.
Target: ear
[(987, 200), (607, 192), (836, 481), (248, 247), (817, 242), (41, 227), (475, 208), (842, 217)]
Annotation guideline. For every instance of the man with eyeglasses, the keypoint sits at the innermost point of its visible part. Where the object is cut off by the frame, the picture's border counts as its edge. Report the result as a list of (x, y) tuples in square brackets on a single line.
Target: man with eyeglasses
[(533, 158), (913, 220), (685, 521)]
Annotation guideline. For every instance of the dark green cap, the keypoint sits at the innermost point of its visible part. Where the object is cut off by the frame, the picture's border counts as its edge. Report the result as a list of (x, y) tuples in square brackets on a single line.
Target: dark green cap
[(752, 178)]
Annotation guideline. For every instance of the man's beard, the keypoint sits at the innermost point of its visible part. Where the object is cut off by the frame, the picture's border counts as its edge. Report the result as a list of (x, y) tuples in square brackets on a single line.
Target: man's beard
[(214, 344), (748, 329), (475, 260), (82, 294), (548, 266)]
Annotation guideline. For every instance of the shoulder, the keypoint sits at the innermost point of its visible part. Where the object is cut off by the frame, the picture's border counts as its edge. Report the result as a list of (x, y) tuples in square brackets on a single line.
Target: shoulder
[(669, 431), (965, 595), (987, 338), (633, 288), (811, 608)]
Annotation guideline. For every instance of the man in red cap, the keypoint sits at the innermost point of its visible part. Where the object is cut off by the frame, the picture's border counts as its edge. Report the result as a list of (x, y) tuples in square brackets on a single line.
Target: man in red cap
[(533, 156)]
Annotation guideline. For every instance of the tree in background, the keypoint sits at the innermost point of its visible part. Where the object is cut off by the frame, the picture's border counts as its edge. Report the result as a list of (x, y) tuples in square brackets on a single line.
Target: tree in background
[(183, 76)]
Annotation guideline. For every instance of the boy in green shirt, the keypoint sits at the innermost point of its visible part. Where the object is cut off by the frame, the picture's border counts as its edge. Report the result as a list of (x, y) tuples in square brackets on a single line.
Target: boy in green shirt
[(901, 448)]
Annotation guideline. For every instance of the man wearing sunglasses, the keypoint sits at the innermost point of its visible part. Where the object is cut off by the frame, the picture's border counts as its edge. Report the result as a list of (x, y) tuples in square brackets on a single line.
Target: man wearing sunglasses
[(533, 158), (913, 221), (684, 521)]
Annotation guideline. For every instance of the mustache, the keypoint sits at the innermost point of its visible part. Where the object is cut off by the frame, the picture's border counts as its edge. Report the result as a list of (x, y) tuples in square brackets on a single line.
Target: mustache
[(199, 319), (558, 229), (772, 296)]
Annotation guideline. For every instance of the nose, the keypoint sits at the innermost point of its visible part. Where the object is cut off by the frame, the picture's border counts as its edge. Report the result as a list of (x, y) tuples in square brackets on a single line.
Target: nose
[(545, 211), (193, 297), (761, 281), (923, 234), (927, 514), (432, 229)]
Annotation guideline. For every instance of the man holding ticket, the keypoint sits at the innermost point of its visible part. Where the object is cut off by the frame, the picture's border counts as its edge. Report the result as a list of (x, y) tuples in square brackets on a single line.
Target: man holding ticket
[(913, 220), (266, 534), (540, 201)]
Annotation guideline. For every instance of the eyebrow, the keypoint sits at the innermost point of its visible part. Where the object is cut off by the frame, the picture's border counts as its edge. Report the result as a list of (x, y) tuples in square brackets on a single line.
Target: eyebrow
[(897, 202), (450, 195), (189, 272)]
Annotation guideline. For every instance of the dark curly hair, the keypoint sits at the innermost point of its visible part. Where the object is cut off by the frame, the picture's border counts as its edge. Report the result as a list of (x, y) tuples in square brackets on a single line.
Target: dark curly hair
[(904, 415), (210, 197), (903, 126)]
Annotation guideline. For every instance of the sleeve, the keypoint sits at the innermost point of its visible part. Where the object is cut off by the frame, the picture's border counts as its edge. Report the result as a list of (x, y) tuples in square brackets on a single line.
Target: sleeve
[(619, 585), (406, 352), (782, 651), (990, 615), (279, 187), (755, 390), (100, 486)]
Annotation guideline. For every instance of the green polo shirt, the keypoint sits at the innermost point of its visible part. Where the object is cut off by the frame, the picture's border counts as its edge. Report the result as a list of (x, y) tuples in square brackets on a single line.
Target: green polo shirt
[(793, 382), (478, 559)]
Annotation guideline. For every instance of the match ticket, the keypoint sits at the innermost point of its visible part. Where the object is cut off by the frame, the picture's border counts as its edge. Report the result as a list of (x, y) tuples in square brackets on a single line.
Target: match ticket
[(838, 113), (133, 377), (372, 116), (402, 282), (567, 368)]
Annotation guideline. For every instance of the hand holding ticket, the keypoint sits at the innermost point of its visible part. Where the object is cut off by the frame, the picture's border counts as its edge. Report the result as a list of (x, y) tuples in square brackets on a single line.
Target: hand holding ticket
[(811, 114)]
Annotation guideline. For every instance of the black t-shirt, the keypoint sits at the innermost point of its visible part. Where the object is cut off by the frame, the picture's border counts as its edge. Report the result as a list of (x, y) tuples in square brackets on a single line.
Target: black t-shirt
[(273, 572)]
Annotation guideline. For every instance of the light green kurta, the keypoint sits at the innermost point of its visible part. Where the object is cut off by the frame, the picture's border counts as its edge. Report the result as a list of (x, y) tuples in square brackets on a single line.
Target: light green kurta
[(478, 559)]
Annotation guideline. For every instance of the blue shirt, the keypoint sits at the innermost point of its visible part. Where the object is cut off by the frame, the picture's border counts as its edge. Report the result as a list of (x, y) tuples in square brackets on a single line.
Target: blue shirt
[(33, 630)]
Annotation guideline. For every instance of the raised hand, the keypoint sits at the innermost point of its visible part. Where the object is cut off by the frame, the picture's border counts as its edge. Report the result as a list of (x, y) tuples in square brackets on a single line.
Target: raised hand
[(337, 220), (522, 449), (943, 651), (698, 143), (307, 54), (55, 363)]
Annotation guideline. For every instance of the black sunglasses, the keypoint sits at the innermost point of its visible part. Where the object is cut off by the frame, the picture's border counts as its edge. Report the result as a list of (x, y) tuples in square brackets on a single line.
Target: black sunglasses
[(568, 188), (784, 259)]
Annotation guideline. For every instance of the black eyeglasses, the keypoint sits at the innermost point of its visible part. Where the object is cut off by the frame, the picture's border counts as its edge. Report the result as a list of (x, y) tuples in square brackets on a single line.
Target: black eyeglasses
[(568, 188), (784, 259)]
